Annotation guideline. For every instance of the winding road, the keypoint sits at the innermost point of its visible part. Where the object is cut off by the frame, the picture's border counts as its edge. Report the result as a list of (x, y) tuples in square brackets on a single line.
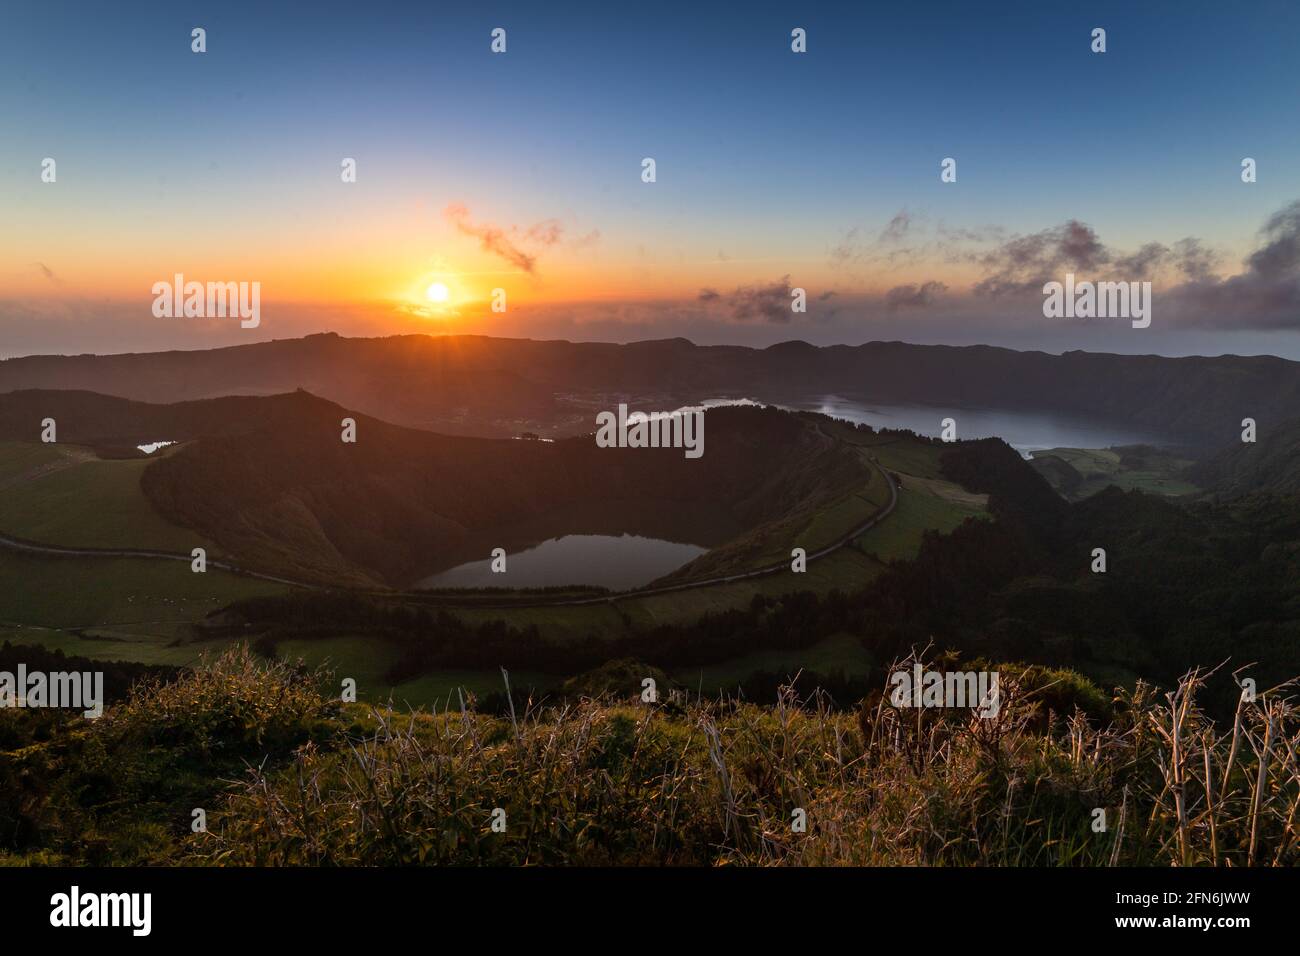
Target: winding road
[(31, 547)]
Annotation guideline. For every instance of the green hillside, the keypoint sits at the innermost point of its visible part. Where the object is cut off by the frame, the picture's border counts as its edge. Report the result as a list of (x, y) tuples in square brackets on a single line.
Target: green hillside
[(1270, 464), (1077, 473)]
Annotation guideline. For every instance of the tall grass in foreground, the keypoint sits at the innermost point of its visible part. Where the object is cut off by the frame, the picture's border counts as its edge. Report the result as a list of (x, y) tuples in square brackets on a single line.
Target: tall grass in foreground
[(603, 781)]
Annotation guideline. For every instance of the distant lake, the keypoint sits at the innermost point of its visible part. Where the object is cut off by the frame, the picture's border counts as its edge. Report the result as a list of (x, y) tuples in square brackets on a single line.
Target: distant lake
[(1024, 431), (612, 561)]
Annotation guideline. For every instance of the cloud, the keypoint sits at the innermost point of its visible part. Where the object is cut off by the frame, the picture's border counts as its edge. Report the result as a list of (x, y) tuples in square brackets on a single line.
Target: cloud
[(518, 246), (1194, 261), (914, 296), (48, 273), (907, 238), (1140, 264), (1264, 295), (847, 250), (1024, 263), (769, 301), (545, 233), (1280, 256), (896, 231)]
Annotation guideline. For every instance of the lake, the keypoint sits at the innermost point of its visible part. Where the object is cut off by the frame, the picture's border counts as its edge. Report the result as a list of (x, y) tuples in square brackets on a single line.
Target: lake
[(1024, 431), (618, 562), (628, 561)]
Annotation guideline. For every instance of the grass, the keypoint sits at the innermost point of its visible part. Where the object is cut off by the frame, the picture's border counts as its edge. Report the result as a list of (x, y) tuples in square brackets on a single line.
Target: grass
[(905, 455), (92, 592), (922, 506), (1135, 467), (365, 660), (610, 781), (291, 775), (136, 609), (841, 653), (64, 495)]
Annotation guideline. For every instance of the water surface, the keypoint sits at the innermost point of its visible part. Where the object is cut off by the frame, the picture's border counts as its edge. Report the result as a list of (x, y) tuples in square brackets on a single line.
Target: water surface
[(1024, 431), (604, 560)]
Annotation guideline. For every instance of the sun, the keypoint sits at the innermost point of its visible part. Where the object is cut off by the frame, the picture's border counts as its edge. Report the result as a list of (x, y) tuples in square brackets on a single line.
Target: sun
[(437, 292)]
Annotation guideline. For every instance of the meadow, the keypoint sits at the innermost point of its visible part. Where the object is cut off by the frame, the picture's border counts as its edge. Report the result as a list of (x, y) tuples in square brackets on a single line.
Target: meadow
[(1138, 467), (140, 610)]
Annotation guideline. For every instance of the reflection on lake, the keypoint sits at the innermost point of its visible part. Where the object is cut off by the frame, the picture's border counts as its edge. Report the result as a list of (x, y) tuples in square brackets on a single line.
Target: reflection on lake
[(1023, 431), (613, 561)]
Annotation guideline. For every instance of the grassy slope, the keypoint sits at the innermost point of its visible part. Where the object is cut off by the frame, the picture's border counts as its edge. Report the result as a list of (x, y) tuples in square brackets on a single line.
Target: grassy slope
[(1270, 464), (127, 609), (123, 608), (616, 782), (840, 653), (64, 495), (1128, 469), (364, 662)]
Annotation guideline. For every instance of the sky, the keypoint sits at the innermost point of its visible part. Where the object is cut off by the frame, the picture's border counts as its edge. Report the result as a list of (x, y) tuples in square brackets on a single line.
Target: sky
[(774, 171)]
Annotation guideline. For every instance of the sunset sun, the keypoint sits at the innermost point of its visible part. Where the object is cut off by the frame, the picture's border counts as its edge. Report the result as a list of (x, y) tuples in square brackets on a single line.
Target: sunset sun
[(437, 292)]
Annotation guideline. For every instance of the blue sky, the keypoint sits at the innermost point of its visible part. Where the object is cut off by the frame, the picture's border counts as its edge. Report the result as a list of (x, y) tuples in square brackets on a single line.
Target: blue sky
[(767, 160)]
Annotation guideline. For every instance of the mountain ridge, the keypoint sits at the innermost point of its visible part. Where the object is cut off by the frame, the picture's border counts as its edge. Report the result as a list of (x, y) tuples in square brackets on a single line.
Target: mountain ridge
[(474, 384)]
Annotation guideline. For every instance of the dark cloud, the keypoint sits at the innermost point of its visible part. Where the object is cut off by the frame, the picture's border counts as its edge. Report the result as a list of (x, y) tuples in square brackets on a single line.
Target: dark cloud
[(1279, 258), (1265, 295), (48, 273), (1025, 263), (913, 296), (1194, 261), (1188, 256), (770, 301), (1140, 264)]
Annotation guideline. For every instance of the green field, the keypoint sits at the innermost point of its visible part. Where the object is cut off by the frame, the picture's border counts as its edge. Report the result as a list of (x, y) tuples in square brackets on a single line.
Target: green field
[(140, 609), (842, 653), (1129, 468), (64, 495), (920, 508), (365, 660), (130, 609)]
